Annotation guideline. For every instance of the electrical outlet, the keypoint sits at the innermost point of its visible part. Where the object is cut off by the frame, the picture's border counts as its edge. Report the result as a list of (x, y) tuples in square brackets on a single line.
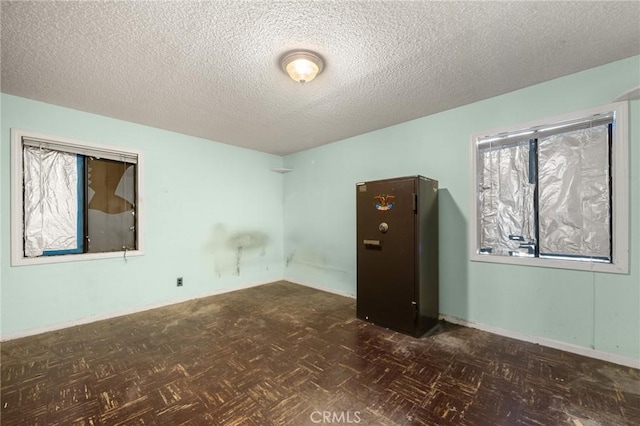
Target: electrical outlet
[(179, 282)]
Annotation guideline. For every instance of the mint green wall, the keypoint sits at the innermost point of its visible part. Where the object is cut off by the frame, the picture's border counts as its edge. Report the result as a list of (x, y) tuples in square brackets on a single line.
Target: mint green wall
[(592, 310), (194, 190)]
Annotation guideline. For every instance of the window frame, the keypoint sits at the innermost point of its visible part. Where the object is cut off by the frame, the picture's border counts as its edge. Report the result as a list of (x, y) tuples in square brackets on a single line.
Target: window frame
[(17, 197), (619, 192)]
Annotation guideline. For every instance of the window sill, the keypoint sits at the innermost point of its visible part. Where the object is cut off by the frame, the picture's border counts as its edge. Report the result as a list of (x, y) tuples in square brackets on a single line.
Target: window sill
[(612, 268), (42, 260)]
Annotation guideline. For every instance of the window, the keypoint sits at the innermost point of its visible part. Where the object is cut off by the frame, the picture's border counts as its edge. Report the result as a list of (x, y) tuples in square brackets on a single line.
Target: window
[(554, 193), (73, 200)]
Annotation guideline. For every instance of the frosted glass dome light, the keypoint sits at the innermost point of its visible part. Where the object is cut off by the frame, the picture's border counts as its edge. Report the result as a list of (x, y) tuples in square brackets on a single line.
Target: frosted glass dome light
[(302, 66)]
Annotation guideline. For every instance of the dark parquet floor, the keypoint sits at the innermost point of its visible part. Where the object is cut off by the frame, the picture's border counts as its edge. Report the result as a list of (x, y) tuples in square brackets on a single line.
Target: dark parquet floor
[(282, 354)]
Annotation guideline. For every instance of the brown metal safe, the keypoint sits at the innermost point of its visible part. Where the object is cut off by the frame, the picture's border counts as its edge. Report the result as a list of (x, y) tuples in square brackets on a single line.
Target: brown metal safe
[(397, 237)]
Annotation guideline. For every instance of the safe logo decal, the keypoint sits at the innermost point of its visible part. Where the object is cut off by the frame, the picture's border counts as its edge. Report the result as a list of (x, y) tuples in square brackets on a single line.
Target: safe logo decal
[(384, 202)]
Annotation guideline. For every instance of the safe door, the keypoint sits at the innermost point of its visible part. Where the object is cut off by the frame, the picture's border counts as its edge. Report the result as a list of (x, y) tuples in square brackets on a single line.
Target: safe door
[(386, 253)]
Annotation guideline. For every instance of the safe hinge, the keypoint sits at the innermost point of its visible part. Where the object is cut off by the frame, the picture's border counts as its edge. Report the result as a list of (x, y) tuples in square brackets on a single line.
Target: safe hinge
[(415, 203)]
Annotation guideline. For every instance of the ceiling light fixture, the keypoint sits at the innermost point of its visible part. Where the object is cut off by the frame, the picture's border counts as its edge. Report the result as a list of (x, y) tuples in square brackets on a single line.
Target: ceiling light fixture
[(302, 66)]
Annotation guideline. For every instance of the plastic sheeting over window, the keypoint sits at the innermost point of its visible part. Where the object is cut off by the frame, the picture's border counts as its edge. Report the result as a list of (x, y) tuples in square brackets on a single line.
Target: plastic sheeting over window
[(56, 219), (506, 199), (51, 199), (548, 196), (574, 194), (73, 200)]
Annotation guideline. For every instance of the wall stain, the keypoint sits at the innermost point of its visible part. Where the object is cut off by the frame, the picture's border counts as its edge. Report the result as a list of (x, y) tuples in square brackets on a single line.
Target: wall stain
[(308, 257), (230, 249), (290, 258)]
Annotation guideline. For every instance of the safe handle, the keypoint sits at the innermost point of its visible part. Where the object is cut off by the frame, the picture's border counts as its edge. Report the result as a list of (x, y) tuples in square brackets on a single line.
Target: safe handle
[(371, 242)]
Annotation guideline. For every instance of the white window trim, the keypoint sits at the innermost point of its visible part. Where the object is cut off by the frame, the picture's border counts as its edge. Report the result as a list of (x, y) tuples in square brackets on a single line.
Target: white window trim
[(620, 194), (17, 220)]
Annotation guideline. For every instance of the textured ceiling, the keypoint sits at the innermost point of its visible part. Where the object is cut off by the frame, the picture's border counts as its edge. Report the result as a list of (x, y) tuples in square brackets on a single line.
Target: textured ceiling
[(210, 69)]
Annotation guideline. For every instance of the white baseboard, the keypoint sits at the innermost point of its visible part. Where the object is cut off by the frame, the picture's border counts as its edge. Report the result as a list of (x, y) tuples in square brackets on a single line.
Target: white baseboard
[(567, 347), (94, 318), (317, 287)]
